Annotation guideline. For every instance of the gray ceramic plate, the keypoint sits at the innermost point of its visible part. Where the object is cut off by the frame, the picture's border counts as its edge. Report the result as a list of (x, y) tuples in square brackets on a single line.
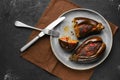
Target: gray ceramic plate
[(62, 55)]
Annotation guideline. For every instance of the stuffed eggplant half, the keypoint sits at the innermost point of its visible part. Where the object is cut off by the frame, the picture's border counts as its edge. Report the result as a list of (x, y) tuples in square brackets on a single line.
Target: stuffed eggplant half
[(89, 50), (67, 43), (84, 27)]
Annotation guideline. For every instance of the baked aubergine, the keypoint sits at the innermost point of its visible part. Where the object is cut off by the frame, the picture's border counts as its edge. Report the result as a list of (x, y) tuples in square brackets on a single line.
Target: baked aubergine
[(84, 27), (91, 49), (67, 43)]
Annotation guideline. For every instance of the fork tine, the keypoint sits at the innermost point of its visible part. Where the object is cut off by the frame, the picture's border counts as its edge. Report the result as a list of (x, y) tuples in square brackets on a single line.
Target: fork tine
[(54, 33), (51, 32)]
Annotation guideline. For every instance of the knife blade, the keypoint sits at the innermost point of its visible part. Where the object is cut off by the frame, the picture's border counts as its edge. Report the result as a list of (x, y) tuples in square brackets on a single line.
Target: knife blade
[(41, 34)]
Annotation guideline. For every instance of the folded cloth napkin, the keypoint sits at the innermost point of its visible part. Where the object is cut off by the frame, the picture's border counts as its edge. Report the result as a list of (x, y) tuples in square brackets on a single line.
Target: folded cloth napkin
[(41, 54)]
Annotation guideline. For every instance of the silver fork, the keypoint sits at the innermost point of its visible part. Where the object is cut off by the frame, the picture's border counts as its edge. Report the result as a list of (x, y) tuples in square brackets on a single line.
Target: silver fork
[(46, 31)]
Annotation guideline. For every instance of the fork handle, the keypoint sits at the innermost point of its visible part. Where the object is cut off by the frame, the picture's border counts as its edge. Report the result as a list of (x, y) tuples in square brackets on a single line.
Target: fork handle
[(23, 25)]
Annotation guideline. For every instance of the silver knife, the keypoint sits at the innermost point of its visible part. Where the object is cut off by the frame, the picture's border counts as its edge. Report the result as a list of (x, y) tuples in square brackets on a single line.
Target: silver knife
[(41, 34)]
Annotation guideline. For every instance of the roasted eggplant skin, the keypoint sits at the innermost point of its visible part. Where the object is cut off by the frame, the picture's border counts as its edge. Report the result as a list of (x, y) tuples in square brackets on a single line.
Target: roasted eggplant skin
[(101, 46), (67, 43), (84, 27)]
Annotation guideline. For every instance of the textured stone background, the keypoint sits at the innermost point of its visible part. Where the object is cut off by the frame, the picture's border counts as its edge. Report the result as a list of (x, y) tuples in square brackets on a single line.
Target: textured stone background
[(13, 67)]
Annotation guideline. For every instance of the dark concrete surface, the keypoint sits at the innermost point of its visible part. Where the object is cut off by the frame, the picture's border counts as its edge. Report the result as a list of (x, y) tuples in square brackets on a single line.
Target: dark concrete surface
[(13, 67)]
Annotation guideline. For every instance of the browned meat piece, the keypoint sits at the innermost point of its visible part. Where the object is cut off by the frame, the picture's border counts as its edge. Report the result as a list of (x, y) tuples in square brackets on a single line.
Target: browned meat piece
[(84, 27), (91, 49)]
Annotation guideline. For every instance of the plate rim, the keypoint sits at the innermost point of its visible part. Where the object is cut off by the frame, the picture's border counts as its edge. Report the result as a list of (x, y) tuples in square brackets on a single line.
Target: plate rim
[(101, 61)]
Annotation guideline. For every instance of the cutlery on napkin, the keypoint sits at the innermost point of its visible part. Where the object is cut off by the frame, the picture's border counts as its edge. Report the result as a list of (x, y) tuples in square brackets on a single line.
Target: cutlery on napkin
[(45, 31), (41, 34)]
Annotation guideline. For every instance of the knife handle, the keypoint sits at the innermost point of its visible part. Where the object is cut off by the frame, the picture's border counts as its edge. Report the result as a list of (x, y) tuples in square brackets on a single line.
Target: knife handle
[(29, 44)]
